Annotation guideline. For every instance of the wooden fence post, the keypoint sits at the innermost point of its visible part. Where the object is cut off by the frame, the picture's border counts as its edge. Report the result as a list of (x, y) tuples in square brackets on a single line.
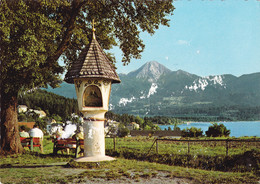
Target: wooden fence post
[(227, 147), (157, 146), (188, 147), (114, 141)]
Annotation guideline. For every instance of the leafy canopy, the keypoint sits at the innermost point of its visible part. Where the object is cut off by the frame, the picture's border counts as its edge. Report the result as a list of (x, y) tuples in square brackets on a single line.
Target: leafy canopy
[(35, 34)]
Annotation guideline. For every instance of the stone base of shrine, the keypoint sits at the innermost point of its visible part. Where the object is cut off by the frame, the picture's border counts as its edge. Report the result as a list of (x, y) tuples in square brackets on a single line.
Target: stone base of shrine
[(99, 158)]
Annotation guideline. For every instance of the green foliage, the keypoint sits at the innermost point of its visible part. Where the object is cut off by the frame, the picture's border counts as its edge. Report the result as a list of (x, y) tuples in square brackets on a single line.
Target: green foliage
[(146, 123), (28, 34), (217, 130), (122, 131), (192, 132), (139, 121), (42, 123), (56, 117), (58, 107), (34, 34), (22, 117)]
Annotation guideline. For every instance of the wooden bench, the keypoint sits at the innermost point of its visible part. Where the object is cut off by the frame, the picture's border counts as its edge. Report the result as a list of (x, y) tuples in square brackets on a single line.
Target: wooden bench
[(31, 142), (69, 143)]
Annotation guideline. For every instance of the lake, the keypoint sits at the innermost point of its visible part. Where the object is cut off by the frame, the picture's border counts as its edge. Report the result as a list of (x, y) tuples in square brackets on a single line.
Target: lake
[(237, 129)]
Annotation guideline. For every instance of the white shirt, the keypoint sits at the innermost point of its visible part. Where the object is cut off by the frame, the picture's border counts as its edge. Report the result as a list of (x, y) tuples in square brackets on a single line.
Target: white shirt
[(36, 132)]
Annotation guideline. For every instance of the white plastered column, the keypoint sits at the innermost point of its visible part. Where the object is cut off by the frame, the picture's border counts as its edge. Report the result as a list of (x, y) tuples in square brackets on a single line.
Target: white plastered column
[(94, 140)]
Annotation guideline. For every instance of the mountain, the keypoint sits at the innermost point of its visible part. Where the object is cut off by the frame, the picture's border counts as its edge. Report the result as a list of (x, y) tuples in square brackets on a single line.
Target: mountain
[(154, 89), (151, 71)]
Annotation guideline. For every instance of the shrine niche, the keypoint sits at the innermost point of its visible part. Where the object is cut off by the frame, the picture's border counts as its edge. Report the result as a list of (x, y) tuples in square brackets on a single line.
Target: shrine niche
[(92, 97)]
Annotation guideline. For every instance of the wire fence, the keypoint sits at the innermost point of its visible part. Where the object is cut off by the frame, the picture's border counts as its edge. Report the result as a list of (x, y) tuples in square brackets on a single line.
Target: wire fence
[(184, 146)]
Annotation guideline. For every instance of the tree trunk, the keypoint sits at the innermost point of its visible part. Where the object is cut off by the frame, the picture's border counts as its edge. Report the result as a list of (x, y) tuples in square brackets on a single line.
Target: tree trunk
[(10, 138)]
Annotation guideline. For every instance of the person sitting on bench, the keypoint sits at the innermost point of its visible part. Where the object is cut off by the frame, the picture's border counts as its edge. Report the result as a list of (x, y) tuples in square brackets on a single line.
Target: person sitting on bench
[(23, 133), (36, 132)]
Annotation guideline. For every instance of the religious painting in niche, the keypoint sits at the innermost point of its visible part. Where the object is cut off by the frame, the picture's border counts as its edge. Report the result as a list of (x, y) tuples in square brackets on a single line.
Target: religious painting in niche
[(92, 97)]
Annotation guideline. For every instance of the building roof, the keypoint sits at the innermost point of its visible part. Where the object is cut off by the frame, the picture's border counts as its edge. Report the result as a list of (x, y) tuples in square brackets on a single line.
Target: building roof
[(28, 124), (92, 63)]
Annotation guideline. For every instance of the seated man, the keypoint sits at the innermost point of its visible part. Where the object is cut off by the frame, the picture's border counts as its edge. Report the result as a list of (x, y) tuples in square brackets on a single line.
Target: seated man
[(23, 133), (36, 132)]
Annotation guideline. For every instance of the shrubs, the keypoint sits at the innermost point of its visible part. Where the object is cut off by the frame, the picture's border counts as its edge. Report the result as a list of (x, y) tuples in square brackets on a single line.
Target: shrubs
[(217, 130), (192, 132), (122, 131), (245, 162)]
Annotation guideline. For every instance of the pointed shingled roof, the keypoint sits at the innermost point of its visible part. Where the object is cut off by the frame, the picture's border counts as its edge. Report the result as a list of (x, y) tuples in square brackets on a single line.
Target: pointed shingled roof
[(92, 63)]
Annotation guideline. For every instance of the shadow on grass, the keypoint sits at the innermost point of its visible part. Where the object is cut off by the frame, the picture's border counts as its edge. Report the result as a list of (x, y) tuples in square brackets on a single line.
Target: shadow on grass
[(50, 155), (5, 166), (54, 160)]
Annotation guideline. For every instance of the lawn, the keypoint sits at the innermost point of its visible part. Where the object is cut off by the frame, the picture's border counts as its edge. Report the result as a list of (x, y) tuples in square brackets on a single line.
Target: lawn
[(34, 167)]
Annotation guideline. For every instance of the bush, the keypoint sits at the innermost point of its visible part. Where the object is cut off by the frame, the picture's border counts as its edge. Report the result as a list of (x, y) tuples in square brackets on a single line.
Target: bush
[(192, 132), (217, 130), (123, 131), (245, 162)]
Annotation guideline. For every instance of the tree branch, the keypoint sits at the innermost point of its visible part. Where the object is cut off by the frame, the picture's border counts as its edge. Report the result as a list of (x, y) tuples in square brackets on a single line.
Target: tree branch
[(70, 25)]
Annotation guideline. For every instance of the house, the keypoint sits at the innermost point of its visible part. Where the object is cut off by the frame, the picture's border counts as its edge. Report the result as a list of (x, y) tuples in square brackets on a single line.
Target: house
[(22, 108), (133, 126), (41, 113)]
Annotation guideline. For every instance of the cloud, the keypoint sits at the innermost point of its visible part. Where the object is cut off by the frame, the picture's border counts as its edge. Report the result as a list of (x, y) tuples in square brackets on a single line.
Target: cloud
[(198, 51), (167, 58), (183, 42)]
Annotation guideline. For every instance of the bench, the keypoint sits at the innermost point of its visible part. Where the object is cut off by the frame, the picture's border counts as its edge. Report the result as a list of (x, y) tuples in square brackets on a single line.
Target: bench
[(31, 142), (69, 143)]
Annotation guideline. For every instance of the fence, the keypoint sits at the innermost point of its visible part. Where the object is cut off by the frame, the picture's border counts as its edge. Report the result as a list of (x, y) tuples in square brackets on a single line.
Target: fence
[(223, 146), (225, 141)]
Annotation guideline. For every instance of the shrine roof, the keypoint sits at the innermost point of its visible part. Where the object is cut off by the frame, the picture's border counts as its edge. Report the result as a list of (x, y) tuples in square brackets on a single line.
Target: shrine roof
[(92, 63)]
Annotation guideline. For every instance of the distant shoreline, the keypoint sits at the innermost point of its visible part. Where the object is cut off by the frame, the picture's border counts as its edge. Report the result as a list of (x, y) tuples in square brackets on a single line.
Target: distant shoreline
[(185, 122)]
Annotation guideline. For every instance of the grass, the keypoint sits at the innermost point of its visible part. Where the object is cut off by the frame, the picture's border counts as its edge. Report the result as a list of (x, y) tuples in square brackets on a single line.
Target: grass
[(34, 167), (167, 147), (242, 156), (50, 169)]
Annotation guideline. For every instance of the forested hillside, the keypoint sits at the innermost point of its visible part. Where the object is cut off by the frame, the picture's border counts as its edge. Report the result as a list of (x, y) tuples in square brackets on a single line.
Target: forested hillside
[(54, 104), (51, 103)]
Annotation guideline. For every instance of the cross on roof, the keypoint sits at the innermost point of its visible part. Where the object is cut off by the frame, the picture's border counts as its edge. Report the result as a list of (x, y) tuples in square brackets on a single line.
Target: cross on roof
[(92, 63), (93, 25)]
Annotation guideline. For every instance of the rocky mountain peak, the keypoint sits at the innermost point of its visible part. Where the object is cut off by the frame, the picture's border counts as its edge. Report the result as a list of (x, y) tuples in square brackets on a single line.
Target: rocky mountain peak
[(151, 70)]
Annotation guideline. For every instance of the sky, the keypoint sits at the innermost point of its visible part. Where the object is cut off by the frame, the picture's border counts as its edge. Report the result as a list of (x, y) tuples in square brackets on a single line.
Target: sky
[(205, 37)]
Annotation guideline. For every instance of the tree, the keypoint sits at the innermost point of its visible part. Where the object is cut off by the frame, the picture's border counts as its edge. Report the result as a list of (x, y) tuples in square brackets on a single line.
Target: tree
[(122, 130), (192, 132), (35, 34), (139, 121), (217, 130)]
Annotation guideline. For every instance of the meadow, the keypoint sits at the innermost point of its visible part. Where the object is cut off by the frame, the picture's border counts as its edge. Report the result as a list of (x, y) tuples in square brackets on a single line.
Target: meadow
[(135, 165)]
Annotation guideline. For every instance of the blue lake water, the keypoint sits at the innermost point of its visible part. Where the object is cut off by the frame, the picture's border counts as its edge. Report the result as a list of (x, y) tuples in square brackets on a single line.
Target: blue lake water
[(237, 129)]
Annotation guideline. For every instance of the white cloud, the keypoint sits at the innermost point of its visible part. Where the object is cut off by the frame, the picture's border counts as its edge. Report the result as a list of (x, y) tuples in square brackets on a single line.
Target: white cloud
[(183, 42)]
